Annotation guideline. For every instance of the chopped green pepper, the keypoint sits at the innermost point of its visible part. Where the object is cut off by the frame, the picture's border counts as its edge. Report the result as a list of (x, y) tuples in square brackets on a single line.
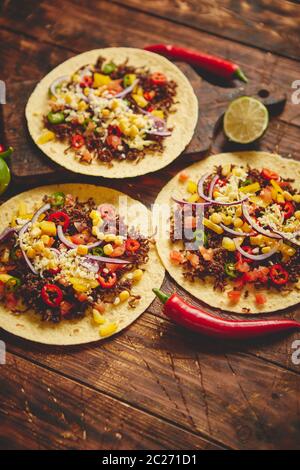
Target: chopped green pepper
[(7, 153), (200, 237), (12, 284), (15, 253), (230, 270), (56, 118), (108, 68), (98, 251), (58, 199)]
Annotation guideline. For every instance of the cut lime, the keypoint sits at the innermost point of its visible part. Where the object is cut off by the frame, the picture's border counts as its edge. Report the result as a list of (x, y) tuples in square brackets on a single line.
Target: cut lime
[(245, 120)]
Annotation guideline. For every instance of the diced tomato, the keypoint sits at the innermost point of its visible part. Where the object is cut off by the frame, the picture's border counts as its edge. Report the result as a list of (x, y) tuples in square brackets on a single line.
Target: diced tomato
[(234, 296), (260, 299), (262, 274), (65, 307), (113, 267), (100, 306), (86, 81), (115, 86), (242, 267), (77, 141), (266, 195), (80, 238), (158, 78), (176, 257), (81, 296), (193, 259), (207, 253), (269, 175), (118, 251), (149, 95), (288, 209), (113, 141), (183, 176), (132, 245)]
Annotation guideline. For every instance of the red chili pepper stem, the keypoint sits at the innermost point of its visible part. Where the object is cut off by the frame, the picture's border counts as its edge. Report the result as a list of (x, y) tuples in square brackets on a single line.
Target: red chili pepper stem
[(161, 295), (239, 74)]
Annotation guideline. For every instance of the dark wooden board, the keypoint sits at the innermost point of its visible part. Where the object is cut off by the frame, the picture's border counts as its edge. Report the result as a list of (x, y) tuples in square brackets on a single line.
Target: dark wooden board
[(29, 162), (161, 384)]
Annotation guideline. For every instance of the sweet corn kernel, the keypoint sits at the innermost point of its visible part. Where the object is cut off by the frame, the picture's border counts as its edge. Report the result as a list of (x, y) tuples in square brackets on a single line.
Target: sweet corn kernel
[(39, 246), (137, 274), (118, 240), (46, 137), (227, 219), (228, 244), (191, 187), (238, 222), (246, 227), (105, 113), (35, 232), (226, 169), (296, 198), (193, 198), (48, 228), (216, 218), (297, 215), (158, 113), (45, 239), (209, 224), (82, 250), (97, 317), (133, 131), (108, 249), (238, 211), (266, 249), (110, 237), (258, 240), (107, 330), (30, 253), (124, 295), (140, 100), (86, 91), (82, 106)]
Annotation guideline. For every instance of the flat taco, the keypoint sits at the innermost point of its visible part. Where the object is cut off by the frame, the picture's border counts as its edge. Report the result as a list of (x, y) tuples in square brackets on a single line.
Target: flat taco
[(74, 267), (115, 112), (233, 235)]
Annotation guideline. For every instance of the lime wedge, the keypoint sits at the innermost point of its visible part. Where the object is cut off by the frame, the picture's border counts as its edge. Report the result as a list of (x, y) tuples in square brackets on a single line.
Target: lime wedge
[(245, 120)]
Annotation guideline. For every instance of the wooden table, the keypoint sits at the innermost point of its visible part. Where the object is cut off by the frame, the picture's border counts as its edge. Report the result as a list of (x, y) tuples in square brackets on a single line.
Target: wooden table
[(154, 386)]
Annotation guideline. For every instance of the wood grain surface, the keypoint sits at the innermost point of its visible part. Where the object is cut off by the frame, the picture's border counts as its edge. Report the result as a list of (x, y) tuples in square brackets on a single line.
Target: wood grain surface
[(155, 385)]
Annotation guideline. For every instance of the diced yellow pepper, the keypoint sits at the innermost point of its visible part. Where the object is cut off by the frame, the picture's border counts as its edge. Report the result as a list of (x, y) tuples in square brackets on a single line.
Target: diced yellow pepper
[(108, 330), (124, 295), (118, 240), (106, 113), (46, 137), (140, 100), (296, 198), (97, 317), (280, 198), (193, 198), (5, 277), (266, 249), (158, 113), (100, 80), (276, 186), (130, 78), (48, 228), (251, 188), (216, 218), (133, 131), (209, 224), (287, 196), (191, 187), (82, 106), (82, 250)]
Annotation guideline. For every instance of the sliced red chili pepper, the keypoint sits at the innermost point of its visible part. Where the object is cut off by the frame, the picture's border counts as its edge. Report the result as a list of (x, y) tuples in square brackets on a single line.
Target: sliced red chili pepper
[(87, 81), (60, 217), (242, 259), (279, 275), (113, 141), (158, 78), (52, 295), (150, 108), (77, 141), (132, 245), (288, 209), (149, 95), (107, 279), (114, 130), (269, 175)]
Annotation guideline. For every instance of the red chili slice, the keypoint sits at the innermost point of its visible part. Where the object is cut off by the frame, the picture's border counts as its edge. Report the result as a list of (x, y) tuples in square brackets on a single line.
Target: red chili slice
[(269, 175), (77, 141), (61, 218), (288, 209), (132, 245), (107, 280), (149, 95), (242, 259), (158, 78), (52, 295), (114, 130), (279, 275)]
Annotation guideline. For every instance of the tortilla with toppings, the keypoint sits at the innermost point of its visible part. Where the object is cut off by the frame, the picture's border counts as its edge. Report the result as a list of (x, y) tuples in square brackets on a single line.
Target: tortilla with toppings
[(115, 112), (74, 268), (246, 255)]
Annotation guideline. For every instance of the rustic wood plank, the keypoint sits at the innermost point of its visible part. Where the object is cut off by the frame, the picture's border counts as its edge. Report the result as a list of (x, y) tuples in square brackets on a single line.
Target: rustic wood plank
[(43, 410), (272, 26), (204, 387)]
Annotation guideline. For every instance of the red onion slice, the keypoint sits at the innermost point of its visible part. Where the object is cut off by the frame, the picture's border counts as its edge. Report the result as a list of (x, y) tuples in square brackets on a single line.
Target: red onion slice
[(181, 202), (39, 212), (105, 259), (126, 90), (213, 201), (212, 186), (69, 244), (289, 239), (57, 82), (236, 233), (159, 133), (254, 257), (257, 227), (30, 265)]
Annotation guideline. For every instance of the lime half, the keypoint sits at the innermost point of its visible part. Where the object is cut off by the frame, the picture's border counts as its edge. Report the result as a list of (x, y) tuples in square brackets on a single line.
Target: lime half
[(245, 120)]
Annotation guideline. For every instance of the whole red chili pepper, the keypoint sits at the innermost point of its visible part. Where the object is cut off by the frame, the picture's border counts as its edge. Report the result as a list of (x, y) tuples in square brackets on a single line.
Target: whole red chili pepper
[(221, 67), (197, 319)]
